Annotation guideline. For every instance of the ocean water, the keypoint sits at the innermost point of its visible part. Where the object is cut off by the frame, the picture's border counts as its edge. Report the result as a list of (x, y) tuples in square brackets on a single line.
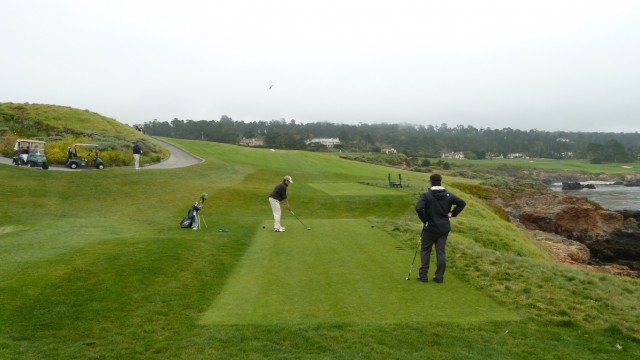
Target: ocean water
[(612, 197)]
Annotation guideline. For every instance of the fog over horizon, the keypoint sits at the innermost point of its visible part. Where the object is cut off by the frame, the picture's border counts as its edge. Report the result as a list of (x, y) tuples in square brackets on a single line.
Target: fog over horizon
[(564, 65)]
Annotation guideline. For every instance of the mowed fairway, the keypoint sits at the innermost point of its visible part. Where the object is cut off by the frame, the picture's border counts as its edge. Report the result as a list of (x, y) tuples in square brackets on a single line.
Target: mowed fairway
[(94, 265), (342, 270), (351, 189)]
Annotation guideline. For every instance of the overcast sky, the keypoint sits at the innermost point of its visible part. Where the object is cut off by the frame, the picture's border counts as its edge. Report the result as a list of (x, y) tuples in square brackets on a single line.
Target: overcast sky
[(570, 65)]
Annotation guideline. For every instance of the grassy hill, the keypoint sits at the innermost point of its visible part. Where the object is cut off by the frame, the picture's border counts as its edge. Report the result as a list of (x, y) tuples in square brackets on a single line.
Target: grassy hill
[(62, 126), (94, 265)]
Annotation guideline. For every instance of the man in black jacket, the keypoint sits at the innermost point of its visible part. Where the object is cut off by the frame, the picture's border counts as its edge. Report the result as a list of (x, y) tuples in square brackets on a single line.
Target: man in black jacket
[(137, 151), (434, 208)]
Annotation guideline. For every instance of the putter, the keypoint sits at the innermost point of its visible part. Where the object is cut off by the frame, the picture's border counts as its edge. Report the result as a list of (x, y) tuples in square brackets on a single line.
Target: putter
[(291, 211), (416, 253)]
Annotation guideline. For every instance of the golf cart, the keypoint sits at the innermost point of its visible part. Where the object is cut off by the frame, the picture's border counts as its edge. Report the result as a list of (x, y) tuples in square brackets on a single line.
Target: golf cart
[(30, 153), (91, 156)]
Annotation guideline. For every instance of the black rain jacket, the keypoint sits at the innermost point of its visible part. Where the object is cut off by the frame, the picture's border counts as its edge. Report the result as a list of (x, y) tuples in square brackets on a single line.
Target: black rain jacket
[(434, 206)]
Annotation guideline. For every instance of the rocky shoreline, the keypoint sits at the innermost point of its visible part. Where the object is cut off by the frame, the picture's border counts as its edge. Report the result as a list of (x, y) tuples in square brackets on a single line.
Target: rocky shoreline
[(578, 231), (569, 185)]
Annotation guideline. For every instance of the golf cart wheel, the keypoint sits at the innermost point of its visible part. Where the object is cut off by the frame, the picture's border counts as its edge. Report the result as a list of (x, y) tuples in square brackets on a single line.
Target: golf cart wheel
[(45, 166), (30, 164), (100, 166), (15, 162), (73, 165)]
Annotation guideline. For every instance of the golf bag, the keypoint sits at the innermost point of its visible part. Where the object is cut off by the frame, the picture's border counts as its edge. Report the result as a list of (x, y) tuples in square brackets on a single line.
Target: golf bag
[(192, 219)]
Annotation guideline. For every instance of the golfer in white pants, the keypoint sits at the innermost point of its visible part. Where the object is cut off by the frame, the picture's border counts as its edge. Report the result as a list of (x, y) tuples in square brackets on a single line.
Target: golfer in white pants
[(278, 195), (137, 150)]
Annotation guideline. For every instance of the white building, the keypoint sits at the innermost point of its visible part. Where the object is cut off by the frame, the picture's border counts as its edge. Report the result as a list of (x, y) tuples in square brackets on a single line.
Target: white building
[(517, 156), (453, 155), (328, 142), (252, 142)]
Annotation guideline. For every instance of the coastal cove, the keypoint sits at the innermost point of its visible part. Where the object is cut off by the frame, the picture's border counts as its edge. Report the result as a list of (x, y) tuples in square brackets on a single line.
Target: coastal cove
[(611, 197)]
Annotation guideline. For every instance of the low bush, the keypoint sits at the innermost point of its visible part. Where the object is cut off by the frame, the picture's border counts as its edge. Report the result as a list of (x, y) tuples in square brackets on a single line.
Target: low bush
[(62, 127)]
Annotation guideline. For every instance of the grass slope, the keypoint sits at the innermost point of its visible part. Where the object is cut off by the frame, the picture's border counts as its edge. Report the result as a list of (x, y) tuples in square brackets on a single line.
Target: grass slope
[(94, 265), (341, 271), (42, 119), (63, 126)]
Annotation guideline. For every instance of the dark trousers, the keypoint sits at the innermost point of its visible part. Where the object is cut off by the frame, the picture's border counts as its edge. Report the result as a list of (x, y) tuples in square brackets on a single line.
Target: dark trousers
[(429, 239)]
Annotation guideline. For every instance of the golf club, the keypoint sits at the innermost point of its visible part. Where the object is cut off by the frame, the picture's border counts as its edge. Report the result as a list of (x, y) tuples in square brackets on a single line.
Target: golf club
[(416, 253), (291, 211)]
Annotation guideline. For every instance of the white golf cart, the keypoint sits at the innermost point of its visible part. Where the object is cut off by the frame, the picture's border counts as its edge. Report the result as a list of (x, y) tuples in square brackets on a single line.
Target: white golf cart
[(31, 153)]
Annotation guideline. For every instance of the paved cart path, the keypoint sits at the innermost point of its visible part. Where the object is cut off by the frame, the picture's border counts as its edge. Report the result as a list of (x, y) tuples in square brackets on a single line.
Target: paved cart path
[(178, 158)]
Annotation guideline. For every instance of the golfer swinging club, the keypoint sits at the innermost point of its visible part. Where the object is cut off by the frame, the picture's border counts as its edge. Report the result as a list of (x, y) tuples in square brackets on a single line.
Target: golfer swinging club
[(279, 195), (434, 209)]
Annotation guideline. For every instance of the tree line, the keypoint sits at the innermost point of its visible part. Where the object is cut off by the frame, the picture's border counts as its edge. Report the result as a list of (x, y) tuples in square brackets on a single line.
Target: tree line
[(412, 140)]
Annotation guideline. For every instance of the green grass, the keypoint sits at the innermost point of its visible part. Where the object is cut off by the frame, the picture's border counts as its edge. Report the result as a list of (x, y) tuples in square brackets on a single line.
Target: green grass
[(62, 126), (347, 189), (278, 281), (551, 164), (93, 264), (55, 116)]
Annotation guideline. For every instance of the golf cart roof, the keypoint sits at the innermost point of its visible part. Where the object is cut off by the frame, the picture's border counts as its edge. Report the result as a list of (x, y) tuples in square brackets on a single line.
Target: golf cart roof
[(31, 141), (96, 145)]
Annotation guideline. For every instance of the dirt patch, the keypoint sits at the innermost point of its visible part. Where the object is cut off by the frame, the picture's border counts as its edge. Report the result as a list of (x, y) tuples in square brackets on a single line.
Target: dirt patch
[(8, 229)]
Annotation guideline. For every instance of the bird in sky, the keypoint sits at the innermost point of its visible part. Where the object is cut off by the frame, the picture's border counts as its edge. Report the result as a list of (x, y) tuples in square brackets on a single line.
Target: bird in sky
[(270, 87)]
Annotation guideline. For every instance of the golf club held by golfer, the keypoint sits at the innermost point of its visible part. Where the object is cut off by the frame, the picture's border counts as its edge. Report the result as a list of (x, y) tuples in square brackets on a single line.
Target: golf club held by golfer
[(292, 213)]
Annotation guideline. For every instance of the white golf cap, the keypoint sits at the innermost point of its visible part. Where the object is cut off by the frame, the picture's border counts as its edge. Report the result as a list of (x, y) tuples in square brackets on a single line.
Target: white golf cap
[(289, 179)]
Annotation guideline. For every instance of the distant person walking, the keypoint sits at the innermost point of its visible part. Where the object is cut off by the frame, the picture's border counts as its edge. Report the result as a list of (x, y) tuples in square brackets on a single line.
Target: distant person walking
[(136, 154), (434, 208), (278, 195)]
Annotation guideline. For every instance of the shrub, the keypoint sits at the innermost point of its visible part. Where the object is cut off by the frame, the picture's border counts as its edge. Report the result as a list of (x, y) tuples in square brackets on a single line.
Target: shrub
[(152, 158), (7, 141), (380, 159), (56, 155), (116, 158)]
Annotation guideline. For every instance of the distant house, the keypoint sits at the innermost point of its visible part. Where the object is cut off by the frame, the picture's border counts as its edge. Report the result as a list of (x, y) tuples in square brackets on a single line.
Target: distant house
[(492, 156), (452, 155), (328, 142), (517, 156), (252, 142), (388, 151)]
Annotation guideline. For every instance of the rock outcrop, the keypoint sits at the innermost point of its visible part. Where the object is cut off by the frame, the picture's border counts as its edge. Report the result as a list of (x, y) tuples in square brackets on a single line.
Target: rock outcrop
[(612, 237), (576, 186)]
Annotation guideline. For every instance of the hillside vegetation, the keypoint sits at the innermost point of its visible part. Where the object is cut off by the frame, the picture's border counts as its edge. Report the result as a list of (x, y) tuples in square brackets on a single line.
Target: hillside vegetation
[(63, 126), (104, 271)]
